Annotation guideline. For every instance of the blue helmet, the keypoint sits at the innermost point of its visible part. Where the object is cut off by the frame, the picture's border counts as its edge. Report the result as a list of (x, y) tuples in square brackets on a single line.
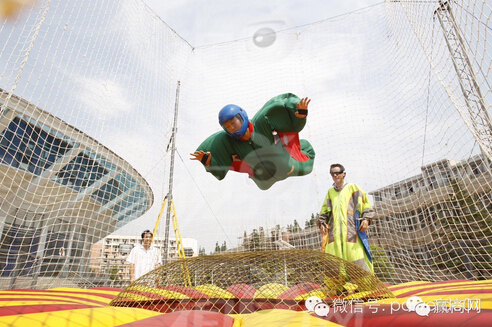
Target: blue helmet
[(234, 120)]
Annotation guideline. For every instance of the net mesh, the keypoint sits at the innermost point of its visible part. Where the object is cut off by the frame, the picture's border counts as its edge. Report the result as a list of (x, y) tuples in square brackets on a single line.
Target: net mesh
[(400, 96), (238, 283)]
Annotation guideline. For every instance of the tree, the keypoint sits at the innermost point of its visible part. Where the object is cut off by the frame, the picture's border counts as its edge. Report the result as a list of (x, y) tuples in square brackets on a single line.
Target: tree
[(254, 243), (472, 218), (296, 228), (114, 273), (469, 223), (246, 242), (262, 238), (311, 222), (223, 248), (314, 217), (383, 269), (217, 247), (201, 251)]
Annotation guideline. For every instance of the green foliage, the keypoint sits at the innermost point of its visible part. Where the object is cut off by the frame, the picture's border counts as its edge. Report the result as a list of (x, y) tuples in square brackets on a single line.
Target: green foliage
[(311, 222), (383, 269), (254, 241), (467, 223), (201, 251), (259, 240), (472, 221), (294, 228), (113, 273)]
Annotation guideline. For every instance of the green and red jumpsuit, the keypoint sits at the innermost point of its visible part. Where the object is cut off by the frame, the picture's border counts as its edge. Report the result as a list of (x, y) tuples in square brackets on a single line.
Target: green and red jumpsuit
[(274, 151)]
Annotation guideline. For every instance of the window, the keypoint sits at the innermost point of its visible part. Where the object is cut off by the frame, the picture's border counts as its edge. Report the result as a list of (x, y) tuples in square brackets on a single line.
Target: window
[(58, 237), (107, 192), (18, 244), (432, 182), (30, 147), (412, 220), (422, 217), (444, 175), (475, 169), (81, 172)]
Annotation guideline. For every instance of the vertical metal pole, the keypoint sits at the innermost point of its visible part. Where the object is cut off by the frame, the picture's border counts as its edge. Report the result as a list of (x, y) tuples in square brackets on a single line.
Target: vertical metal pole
[(171, 175)]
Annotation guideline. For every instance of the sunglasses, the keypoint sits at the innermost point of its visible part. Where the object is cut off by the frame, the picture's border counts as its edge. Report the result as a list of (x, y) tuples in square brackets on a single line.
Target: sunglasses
[(336, 173)]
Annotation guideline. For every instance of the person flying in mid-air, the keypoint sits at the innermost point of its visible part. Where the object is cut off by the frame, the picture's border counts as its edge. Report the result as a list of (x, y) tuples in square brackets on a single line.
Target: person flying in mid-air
[(267, 148)]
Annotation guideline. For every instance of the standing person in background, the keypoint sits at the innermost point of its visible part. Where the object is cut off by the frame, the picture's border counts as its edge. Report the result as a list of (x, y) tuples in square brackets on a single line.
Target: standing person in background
[(344, 218), (143, 257)]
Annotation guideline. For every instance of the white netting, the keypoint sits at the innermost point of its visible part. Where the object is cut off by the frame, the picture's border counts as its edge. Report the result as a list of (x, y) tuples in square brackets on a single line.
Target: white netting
[(82, 151), (400, 95)]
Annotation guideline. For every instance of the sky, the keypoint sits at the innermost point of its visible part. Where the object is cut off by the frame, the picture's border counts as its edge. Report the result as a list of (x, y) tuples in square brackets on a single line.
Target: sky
[(203, 22)]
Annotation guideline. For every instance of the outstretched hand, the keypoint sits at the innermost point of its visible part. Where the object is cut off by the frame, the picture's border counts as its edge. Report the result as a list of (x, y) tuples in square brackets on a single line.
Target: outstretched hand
[(302, 107), (203, 157)]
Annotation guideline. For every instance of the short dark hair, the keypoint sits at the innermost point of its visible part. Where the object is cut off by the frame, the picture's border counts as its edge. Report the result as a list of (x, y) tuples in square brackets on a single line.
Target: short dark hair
[(342, 168), (147, 232)]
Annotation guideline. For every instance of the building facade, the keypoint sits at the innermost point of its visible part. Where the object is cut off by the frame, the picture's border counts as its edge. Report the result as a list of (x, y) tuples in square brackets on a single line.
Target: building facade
[(60, 192), (437, 225), (108, 257)]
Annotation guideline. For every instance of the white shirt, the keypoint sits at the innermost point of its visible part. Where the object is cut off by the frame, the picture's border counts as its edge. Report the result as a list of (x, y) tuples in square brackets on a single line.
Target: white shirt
[(144, 260)]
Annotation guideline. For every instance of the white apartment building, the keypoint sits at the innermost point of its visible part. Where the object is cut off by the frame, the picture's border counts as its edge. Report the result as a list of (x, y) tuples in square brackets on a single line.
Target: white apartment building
[(109, 255)]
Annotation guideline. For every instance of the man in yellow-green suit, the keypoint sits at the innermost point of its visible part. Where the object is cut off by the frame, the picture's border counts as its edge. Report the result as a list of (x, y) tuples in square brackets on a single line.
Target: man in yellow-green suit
[(345, 215)]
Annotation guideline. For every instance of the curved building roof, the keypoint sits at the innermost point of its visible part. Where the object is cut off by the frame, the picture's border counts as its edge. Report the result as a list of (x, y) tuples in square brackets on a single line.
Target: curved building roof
[(50, 168)]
